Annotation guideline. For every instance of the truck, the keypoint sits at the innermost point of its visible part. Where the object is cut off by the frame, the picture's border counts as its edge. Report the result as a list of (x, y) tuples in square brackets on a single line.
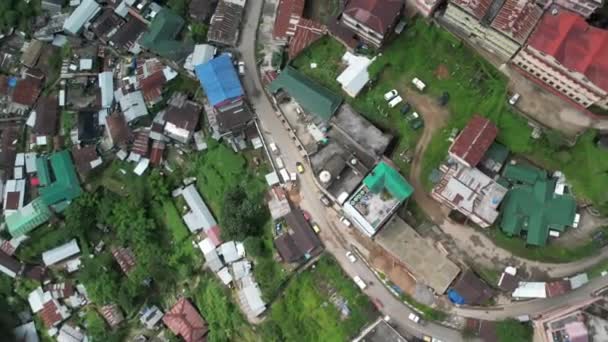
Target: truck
[(279, 162), (418, 84), (285, 175), (362, 285)]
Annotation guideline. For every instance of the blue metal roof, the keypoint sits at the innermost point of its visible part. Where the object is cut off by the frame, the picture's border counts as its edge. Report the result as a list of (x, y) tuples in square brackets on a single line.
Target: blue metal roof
[(219, 79)]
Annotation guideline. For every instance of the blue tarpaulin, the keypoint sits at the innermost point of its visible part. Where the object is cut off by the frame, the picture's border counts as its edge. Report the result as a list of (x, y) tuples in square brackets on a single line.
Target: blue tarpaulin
[(219, 80), (455, 297)]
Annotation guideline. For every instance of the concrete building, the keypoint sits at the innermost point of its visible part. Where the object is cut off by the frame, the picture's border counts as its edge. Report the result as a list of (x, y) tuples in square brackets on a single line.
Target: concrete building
[(499, 26), (380, 331), (570, 58), (371, 21), (427, 7)]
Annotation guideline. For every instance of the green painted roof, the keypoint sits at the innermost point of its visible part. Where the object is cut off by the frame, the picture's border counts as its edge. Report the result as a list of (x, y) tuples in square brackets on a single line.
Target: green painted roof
[(160, 38), (519, 173), (65, 186), (535, 209), (29, 217), (383, 176), (498, 153), (42, 170), (313, 97)]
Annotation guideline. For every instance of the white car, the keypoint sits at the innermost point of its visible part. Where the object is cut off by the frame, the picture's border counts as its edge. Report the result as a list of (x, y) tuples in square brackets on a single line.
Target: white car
[(395, 101), (273, 147), (577, 220), (345, 221), (390, 95), (414, 318), (351, 257), (362, 285), (513, 100), (241, 68), (418, 84)]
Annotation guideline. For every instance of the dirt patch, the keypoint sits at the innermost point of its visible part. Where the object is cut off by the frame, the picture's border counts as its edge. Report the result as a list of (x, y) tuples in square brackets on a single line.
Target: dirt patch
[(442, 72), (398, 274)]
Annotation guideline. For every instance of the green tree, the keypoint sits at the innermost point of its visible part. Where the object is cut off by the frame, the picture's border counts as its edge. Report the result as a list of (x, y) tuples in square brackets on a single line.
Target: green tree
[(512, 330), (179, 6), (255, 247), (241, 216), (199, 33)]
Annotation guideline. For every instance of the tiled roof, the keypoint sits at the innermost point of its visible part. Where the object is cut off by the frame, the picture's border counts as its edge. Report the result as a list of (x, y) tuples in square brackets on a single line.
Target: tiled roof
[(474, 140), (287, 15), (379, 15), (185, 321), (575, 44), (517, 19), (307, 32)]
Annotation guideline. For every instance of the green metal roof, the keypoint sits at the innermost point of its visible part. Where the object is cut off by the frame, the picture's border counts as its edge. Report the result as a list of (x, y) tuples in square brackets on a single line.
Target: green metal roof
[(42, 170), (160, 38), (383, 176), (519, 173), (498, 153), (66, 186), (535, 208), (29, 217), (313, 97)]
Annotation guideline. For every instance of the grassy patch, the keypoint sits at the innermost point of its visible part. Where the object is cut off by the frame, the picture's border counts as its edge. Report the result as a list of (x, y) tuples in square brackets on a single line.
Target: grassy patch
[(305, 312), (173, 221), (68, 121)]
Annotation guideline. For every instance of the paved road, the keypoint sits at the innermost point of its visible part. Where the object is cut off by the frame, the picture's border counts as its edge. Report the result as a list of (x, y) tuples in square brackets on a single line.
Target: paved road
[(333, 239)]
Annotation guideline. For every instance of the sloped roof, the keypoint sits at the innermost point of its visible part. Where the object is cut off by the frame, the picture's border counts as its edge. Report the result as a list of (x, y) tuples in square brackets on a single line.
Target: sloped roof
[(29, 217), (307, 32), (472, 289), (46, 116), (160, 38), (535, 208), (66, 186), (118, 128), (378, 15), (383, 176), (474, 140), (575, 44), (301, 241), (112, 314), (125, 258), (60, 253), (83, 157), (185, 321), (219, 80), (517, 19), (313, 97), (287, 15), (477, 9), (201, 10), (81, 15), (27, 90), (225, 23)]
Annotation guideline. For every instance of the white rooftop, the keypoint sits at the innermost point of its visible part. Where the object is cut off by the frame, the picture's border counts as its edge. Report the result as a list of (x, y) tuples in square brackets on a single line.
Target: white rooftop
[(106, 85), (60, 253), (355, 76), (132, 104), (530, 290), (225, 276), (199, 217)]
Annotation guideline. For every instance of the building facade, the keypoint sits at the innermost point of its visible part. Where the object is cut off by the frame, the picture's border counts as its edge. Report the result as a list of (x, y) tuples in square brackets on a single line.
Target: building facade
[(371, 20), (570, 58), (499, 26)]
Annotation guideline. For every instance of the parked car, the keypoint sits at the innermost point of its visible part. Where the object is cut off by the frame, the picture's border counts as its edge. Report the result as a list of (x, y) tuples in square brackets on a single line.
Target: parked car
[(513, 100), (273, 147), (414, 318), (345, 221), (316, 228), (325, 200), (390, 95), (406, 108), (418, 84), (400, 26), (444, 98), (577, 220), (306, 214), (300, 167), (415, 121), (279, 162), (395, 101), (241, 68), (362, 285), (351, 257)]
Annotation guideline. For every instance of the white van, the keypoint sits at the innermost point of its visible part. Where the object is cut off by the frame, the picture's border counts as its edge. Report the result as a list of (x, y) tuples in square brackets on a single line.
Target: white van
[(419, 84), (279, 162), (362, 285), (395, 101), (273, 147)]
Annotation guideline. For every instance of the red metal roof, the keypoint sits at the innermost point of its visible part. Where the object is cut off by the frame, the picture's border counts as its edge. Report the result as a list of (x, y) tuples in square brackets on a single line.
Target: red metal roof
[(112, 314), (378, 15), (214, 234), (50, 314), (184, 320), (288, 13), (557, 288), (156, 154), (307, 33), (152, 86), (27, 90), (474, 140), (517, 19), (125, 258), (12, 200), (575, 44), (478, 9), (141, 143)]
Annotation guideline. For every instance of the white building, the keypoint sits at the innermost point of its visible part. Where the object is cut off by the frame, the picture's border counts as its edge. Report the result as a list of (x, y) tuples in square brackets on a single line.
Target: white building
[(355, 76)]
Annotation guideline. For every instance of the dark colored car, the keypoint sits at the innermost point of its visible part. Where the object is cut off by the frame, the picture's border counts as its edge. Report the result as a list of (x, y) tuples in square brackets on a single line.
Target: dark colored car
[(444, 98), (406, 108)]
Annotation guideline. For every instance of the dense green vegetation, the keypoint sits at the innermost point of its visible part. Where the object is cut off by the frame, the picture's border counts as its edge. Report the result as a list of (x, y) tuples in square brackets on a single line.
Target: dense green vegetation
[(512, 330), (305, 311), (18, 14)]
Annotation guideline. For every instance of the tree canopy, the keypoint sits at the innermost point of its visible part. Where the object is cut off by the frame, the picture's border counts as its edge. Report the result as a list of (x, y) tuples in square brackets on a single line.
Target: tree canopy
[(241, 215), (512, 330)]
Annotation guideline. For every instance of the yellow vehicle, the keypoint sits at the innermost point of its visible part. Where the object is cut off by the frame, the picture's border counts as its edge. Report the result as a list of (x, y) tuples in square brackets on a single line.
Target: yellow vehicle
[(316, 228), (300, 167)]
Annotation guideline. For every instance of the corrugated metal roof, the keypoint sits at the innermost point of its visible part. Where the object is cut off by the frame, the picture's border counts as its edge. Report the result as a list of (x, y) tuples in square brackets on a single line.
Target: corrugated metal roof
[(219, 79), (474, 140), (106, 85), (383, 177), (60, 253), (199, 217), (66, 186), (81, 15)]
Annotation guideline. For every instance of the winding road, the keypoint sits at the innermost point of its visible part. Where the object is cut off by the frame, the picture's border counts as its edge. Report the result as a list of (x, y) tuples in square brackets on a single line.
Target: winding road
[(337, 239)]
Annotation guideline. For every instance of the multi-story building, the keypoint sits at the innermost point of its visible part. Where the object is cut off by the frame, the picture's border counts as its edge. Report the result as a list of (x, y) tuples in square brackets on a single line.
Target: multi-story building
[(499, 26), (371, 21), (582, 7), (427, 7), (570, 57)]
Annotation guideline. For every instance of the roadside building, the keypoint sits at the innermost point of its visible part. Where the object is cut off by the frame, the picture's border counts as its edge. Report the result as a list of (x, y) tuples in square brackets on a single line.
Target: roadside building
[(61, 253), (278, 204), (312, 97), (287, 17), (225, 23), (499, 26), (533, 207), (161, 37), (184, 320), (381, 193), (370, 21), (80, 16), (299, 243), (529, 290), (469, 289), (568, 56), (10, 266), (380, 331), (202, 54), (427, 264)]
